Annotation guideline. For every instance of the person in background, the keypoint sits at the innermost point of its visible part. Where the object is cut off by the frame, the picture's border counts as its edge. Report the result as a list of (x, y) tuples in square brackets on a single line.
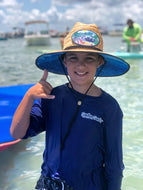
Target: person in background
[(132, 34), (82, 122), (63, 36)]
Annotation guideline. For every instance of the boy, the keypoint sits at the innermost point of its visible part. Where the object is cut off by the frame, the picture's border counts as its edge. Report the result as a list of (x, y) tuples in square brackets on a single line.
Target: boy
[(83, 124)]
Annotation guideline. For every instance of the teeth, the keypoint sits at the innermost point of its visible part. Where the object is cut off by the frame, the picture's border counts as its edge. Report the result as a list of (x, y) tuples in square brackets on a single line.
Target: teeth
[(80, 73)]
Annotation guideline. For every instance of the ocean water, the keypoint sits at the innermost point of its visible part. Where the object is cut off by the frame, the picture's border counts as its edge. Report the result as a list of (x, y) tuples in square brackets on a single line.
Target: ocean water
[(20, 164)]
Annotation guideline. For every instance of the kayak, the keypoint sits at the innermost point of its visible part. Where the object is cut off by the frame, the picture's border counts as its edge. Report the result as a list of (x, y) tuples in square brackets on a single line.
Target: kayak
[(124, 55), (10, 97)]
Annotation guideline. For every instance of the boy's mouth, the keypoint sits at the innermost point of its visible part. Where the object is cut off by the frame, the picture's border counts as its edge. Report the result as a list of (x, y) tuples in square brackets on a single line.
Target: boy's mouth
[(81, 73)]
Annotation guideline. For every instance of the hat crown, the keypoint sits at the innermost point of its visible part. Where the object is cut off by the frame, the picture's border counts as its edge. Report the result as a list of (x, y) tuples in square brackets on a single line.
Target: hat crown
[(84, 36)]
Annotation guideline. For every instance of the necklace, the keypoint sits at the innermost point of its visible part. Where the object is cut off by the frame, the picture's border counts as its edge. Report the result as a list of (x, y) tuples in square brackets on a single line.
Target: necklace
[(79, 101)]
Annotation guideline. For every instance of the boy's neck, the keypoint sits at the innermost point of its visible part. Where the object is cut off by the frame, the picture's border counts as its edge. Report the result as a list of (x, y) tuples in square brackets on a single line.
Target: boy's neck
[(93, 91)]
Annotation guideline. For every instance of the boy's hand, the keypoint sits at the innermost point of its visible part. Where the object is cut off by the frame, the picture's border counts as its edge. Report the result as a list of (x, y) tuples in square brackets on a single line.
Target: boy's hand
[(42, 89)]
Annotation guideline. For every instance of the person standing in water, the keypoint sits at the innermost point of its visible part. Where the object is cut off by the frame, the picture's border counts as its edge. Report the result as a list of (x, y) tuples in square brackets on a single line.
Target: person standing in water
[(63, 36), (82, 122), (132, 35)]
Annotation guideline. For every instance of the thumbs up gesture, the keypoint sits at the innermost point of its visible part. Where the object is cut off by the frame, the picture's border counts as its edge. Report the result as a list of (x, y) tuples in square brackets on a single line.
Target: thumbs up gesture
[(42, 89)]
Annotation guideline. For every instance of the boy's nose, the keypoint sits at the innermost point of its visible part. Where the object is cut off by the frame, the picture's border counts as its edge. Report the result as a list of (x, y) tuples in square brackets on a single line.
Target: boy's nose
[(81, 63)]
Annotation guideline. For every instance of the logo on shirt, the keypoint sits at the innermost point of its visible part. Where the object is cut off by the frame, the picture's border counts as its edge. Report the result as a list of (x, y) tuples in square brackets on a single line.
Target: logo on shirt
[(91, 117)]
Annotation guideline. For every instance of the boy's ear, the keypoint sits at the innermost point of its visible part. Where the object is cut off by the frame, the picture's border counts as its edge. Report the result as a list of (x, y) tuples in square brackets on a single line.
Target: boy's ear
[(101, 61)]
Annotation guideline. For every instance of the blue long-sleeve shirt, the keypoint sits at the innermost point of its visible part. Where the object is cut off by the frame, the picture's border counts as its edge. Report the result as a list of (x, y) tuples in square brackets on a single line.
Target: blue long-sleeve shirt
[(92, 154)]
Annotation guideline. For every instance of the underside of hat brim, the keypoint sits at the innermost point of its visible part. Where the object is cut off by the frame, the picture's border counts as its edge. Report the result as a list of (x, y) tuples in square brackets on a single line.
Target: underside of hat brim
[(114, 66)]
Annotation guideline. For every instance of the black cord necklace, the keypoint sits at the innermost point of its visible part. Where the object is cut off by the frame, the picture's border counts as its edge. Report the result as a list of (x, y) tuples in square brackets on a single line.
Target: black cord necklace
[(79, 102)]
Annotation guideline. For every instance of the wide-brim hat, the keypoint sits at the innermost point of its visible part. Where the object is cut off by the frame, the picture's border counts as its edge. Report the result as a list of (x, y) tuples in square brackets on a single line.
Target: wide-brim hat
[(83, 38)]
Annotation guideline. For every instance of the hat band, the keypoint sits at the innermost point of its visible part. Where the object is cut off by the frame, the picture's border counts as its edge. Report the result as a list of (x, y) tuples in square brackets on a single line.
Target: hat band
[(87, 47)]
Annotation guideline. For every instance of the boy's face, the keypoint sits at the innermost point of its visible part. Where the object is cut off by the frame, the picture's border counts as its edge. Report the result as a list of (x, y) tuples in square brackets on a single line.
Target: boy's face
[(82, 67)]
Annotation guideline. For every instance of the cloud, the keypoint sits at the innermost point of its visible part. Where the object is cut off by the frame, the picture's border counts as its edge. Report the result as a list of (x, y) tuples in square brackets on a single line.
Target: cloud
[(10, 3), (104, 12), (61, 13), (111, 3), (71, 2), (68, 2)]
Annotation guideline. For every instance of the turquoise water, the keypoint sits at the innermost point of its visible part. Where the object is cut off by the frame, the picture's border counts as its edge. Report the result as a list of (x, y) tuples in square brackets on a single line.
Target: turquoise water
[(20, 164)]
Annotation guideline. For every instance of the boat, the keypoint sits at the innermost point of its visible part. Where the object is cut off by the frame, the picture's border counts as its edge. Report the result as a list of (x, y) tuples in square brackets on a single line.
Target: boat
[(10, 97), (115, 33), (118, 30), (3, 36), (37, 33)]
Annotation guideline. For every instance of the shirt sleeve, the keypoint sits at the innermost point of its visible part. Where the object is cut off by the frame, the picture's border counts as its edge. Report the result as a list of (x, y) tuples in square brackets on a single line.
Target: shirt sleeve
[(138, 33), (37, 120), (125, 36), (113, 148)]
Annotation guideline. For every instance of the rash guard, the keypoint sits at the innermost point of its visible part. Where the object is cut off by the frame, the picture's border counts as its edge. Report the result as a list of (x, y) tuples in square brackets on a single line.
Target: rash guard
[(92, 154), (134, 32)]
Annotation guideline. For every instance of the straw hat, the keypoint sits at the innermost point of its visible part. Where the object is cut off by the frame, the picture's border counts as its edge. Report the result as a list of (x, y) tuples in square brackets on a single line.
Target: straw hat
[(83, 38)]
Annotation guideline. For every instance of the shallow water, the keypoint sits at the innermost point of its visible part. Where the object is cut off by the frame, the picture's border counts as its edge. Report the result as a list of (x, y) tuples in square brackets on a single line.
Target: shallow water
[(20, 164)]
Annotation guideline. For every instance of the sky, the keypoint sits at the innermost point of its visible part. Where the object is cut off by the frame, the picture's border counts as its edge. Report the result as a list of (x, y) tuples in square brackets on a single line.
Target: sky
[(65, 13)]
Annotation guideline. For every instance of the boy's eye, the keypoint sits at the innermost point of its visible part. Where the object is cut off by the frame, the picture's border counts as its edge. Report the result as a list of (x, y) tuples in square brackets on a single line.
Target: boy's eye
[(73, 58), (90, 59)]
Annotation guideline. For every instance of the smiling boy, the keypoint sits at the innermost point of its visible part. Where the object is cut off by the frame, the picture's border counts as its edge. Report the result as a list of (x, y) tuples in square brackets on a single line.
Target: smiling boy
[(83, 123)]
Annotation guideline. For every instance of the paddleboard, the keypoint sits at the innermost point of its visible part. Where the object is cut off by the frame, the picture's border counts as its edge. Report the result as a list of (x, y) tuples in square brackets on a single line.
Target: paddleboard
[(10, 97), (127, 55)]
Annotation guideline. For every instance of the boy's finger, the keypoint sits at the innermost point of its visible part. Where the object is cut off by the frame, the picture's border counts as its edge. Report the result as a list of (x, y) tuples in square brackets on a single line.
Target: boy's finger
[(45, 75)]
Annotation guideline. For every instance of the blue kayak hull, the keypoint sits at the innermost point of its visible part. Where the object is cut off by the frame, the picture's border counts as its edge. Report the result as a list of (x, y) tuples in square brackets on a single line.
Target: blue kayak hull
[(10, 97)]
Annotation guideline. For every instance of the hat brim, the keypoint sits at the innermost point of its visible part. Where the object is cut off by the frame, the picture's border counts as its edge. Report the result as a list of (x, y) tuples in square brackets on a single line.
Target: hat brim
[(114, 66)]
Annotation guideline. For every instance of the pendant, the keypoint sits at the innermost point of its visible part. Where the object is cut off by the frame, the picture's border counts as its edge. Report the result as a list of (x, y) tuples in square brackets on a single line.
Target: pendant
[(79, 102)]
